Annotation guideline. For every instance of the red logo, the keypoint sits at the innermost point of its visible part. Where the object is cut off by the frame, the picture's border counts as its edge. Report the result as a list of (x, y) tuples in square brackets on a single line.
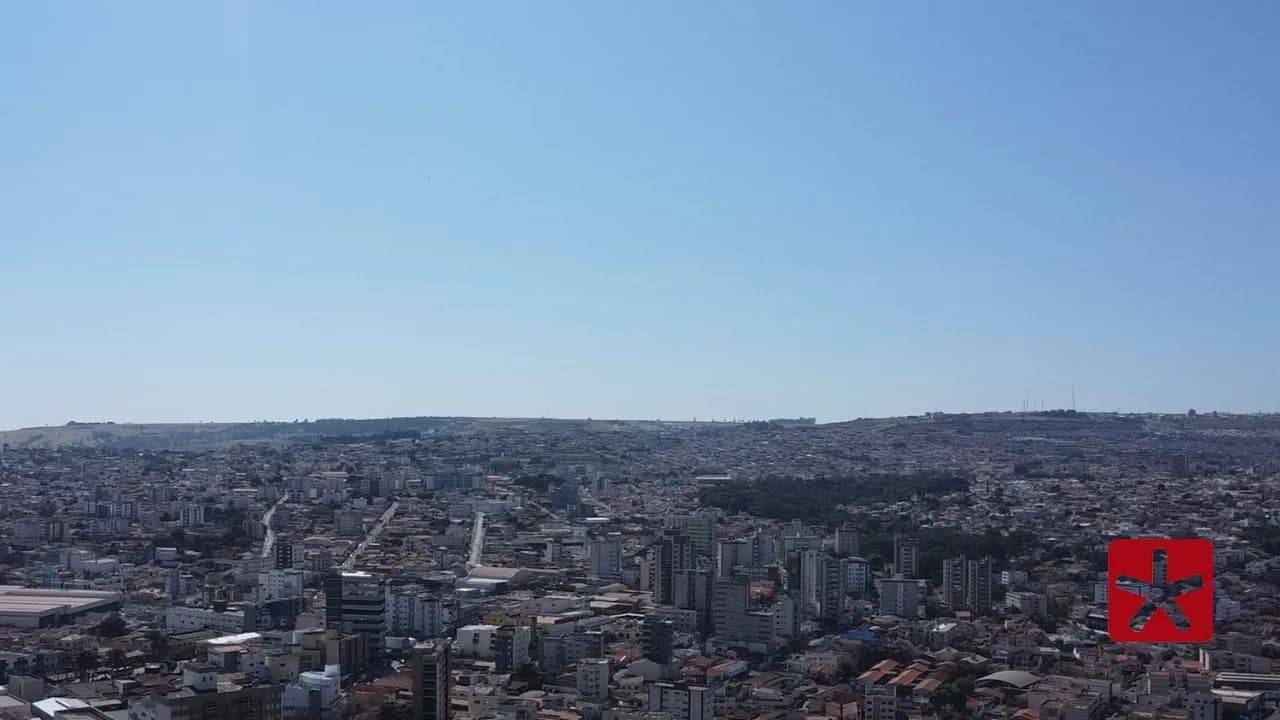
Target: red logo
[(1160, 590)]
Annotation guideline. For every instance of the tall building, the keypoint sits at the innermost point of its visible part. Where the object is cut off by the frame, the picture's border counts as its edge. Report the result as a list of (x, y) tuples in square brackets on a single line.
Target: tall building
[(733, 558), (593, 679), (606, 557), (731, 603), (356, 602), (831, 588), (657, 639), (900, 597), (847, 540), (880, 702), (906, 556), (431, 681), (762, 547), (702, 536), (966, 584), (511, 647), (693, 590), (672, 552), (856, 570)]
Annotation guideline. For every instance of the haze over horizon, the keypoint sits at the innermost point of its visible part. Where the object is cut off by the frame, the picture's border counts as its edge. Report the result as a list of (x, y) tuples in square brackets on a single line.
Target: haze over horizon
[(243, 211)]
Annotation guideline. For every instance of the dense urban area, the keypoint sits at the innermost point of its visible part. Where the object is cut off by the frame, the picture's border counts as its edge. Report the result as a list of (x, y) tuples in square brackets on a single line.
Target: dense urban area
[(941, 566)]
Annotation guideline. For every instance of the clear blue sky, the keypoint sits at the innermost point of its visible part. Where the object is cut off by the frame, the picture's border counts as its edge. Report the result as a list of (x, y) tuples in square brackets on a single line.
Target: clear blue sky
[(248, 210)]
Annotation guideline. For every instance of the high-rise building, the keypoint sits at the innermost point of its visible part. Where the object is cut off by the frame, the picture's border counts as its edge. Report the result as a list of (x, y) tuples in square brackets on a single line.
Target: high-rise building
[(900, 597), (847, 540), (672, 552), (511, 647), (733, 558), (606, 556), (593, 679), (906, 556), (356, 602), (731, 603), (657, 639), (762, 552), (831, 588), (702, 536), (966, 584), (856, 570), (431, 681), (693, 590)]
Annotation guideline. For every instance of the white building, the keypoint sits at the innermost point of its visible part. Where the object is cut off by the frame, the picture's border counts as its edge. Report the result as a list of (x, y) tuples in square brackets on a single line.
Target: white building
[(682, 702), (280, 584), (476, 641), (593, 679), (190, 515), (415, 614), (606, 558), (179, 619), (314, 694)]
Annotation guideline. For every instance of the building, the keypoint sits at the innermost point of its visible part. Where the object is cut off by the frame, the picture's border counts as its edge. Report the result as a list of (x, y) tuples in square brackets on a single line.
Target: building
[(315, 695), (855, 570), (1027, 603), (416, 614), (733, 557), (657, 639), (731, 603), (593, 679), (693, 590), (1204, 706), (831, 590), (350, 523), (906, 556), (880, 702), (44, 607), (606, 557), (191, 515), (847, 541), (702, 536), (672, 552), (431, 681), (681, 701), (966, 584), (476, 641), (280, 584), (900, 597), (203, 697), (511, 647), (356, 602)]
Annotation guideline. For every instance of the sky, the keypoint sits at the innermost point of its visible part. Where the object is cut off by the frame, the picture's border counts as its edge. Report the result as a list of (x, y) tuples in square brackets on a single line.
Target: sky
[(240, 210)]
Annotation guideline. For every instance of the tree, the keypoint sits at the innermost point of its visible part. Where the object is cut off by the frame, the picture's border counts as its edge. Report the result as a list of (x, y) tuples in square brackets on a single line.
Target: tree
[(159, 643), (113, 626), (86, 662), (117, 658)]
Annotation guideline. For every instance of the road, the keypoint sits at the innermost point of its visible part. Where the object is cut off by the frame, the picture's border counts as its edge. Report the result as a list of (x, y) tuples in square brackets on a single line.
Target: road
[(270, 542), (371, 537), (477, 540)]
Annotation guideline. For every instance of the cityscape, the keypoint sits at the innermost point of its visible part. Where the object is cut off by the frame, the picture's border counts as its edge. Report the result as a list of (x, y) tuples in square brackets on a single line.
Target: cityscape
[(639, 360), (934, 566)]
